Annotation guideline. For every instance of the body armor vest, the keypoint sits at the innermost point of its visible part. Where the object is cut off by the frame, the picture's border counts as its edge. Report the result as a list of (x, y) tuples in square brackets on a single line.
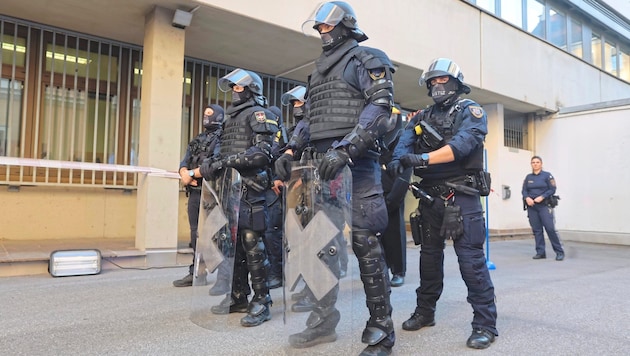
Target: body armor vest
[(335, 105), (446, 123), (237, 133), (202, 147)]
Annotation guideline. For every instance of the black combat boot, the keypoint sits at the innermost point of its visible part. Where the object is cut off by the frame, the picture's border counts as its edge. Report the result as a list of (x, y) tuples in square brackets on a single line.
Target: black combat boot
[(480, 339), (319, 329), (258, 311), (379, 335), (417, 321), (231, 304)]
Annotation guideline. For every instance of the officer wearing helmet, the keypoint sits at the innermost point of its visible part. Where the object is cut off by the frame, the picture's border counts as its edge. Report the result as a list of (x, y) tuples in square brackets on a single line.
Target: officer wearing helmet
[(246, 144), (273, 234), (444, 144), (202, 147), (350, 95)]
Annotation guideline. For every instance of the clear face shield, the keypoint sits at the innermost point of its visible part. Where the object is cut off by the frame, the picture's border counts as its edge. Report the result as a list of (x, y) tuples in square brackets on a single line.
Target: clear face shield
[(441, 67), (237, 77), (296, 93), (327, 13)]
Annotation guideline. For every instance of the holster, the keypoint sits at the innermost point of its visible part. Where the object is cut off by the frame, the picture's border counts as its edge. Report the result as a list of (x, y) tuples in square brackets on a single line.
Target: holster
[(415, 222), (484, 182)]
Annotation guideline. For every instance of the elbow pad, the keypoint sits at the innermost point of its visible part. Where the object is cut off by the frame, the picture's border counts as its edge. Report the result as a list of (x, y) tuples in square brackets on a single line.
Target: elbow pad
[(381, 93), (362, 140), (245, 160)]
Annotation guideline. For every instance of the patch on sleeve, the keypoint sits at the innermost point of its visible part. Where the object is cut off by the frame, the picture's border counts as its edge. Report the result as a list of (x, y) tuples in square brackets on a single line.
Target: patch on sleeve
[(476, 111), (552, 181), (260, 116), (376, 74)]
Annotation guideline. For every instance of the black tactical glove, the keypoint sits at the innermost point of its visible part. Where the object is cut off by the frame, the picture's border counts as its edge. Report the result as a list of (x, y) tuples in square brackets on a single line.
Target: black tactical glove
[(452, 224), (283, 167), (394, 168), (211, 170), (413, 160), (332, 163)]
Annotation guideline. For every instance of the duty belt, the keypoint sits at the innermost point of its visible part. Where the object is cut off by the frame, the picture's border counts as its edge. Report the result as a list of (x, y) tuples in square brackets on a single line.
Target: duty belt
[(445, 189)]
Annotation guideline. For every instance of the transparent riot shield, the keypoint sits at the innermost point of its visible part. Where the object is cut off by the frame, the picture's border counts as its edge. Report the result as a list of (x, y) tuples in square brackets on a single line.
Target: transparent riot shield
[(316, 229), (216, 244)]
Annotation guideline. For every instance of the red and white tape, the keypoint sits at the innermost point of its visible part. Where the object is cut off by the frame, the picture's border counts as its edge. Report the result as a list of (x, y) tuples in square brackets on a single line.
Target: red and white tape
[(47, 163)]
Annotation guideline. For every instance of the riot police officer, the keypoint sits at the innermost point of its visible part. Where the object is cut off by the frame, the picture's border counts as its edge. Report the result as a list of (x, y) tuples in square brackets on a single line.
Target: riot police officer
[(444, 144), (394, 189), (202, 147), (246, 144), (350, 94), (273, 234)]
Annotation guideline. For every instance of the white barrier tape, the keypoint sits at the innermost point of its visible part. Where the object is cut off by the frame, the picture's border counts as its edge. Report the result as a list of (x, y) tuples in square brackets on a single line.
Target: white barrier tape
[(47, 163)]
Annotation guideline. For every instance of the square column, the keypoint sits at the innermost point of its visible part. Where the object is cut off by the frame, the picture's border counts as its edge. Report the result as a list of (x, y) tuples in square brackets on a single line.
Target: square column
[(160, 127)]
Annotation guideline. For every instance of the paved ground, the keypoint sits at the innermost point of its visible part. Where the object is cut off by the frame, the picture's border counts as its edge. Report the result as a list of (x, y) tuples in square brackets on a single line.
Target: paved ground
[(580, 306)]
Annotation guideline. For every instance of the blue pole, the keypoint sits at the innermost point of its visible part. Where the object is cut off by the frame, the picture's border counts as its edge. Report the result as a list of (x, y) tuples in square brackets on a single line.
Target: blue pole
[(489, 263)]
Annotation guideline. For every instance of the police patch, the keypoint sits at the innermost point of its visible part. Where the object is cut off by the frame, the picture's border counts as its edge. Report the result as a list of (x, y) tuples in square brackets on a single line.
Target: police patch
[(260, 116), (376, 74), (476, 111)]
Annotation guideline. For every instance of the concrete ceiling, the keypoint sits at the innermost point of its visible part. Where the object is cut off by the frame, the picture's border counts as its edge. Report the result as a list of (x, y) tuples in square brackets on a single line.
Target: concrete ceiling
[(218, 36)]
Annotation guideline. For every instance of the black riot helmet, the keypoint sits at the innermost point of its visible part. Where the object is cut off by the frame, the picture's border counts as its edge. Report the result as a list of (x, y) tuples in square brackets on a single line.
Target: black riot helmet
[(214, 121), (340, 15), (442, 67), (243, 78), (296, 93)]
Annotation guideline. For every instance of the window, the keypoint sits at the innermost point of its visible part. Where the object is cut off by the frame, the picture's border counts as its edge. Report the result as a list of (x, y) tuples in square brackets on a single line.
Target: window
[(576, 38), (596, 49), (624, 64), (514, 131), (610, 58), (512, 11), (557, 29), (487, 5), (536, 18)]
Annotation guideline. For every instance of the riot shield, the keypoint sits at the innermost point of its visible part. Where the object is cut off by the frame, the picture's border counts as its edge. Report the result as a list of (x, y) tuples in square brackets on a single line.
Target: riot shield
[(316, 229), (216, 244)]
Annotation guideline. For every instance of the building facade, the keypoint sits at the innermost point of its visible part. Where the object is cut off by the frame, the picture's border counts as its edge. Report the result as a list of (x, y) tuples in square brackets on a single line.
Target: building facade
[(99, 99)]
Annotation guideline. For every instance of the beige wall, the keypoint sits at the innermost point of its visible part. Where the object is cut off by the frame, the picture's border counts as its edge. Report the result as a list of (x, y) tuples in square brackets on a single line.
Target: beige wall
[(35, 213)]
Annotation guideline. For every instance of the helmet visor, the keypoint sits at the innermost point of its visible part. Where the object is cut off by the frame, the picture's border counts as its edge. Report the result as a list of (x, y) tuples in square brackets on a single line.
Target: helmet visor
[(238, 77), (296, 93), (327, 13), (441, 67)]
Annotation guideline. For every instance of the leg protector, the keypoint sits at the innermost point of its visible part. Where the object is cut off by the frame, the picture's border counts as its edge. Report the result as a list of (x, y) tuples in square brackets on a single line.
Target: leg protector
[(257, 262), (367, 248)]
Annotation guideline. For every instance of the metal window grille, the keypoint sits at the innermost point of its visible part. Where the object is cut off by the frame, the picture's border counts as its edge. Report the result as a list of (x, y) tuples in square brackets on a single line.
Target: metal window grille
[(67, 96), (514, 132)]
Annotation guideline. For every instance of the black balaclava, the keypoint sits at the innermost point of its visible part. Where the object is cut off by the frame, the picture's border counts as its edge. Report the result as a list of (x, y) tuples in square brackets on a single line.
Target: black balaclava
[(214, 121), (298, 112), (334, 37), (444, 94), (242, 97)]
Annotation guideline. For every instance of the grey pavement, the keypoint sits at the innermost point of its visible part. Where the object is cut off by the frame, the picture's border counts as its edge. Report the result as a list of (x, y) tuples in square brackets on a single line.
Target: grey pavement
[(580, 306)]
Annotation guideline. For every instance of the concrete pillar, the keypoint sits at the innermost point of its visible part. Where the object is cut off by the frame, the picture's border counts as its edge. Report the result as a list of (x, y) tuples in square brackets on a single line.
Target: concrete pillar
[(160, 127)]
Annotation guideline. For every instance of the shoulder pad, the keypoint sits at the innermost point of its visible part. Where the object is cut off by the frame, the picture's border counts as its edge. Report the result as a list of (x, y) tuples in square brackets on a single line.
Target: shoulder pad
[(374, 58)]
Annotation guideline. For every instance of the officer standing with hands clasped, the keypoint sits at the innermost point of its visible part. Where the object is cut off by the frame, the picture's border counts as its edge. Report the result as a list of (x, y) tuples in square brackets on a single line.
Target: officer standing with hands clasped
[(246, 144), (444, 144), (350, 95), (204, 146), (538, 192)]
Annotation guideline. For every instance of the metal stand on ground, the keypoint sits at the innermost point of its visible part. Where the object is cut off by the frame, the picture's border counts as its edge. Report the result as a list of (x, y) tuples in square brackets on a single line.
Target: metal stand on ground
[(489, 263)]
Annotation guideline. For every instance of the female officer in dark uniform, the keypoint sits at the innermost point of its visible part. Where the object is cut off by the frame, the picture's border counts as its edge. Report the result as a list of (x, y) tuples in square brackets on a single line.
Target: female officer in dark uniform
[(538, 190)]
